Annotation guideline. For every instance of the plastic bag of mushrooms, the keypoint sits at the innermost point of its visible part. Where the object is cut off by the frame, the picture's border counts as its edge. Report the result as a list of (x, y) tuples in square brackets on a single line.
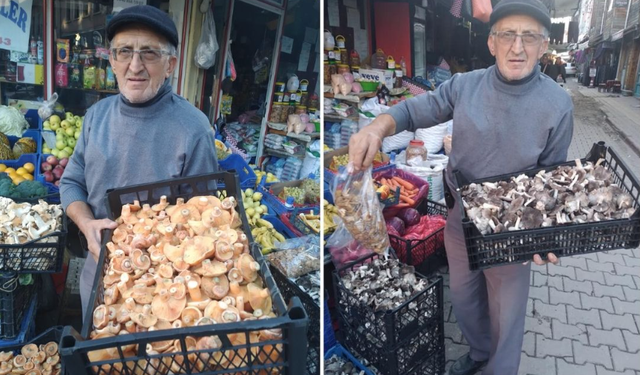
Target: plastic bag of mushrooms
[(172, 266), (359, 208), (565, 195)]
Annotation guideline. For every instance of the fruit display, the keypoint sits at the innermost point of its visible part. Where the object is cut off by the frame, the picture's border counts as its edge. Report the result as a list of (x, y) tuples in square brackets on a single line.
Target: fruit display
[(292, 191), (182, 265), (17, 175), (25, 145), (222, 151), (311, 220), (52, 169), (67, 133), (271, 178), (32, 359), (329, 211), (253, 206), (266, 235)]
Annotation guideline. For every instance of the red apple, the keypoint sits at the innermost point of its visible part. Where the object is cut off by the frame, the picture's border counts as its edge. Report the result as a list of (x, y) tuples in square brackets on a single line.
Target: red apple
[(52, 160), (57, 172), (57, 183), (45, 166), (63, 162), (48, 176)]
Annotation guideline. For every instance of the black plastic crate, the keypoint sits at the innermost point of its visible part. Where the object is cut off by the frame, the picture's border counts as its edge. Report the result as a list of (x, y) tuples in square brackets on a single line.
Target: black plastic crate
[(428, 254), (14, 303), (290, 290), (390, 328), (283, 356), (52, 334), (43, 255), (514, 247), (421, 354)]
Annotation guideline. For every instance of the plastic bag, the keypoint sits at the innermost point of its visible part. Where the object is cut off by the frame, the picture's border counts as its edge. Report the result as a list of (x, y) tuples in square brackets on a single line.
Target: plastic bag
[(46, 110), (429, 170), (205, 55), (397, 142), (342, 247), (296, 256), (359, 208), (433, 137)]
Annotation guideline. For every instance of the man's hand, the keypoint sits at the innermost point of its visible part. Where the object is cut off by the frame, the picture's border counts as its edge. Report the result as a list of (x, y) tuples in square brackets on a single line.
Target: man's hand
[(92, 230), (364, 145), (537, 259)]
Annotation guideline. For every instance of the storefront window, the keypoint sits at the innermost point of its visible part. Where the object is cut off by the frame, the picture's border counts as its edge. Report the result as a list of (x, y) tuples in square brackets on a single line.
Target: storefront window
[(22, 54), (82, 73)]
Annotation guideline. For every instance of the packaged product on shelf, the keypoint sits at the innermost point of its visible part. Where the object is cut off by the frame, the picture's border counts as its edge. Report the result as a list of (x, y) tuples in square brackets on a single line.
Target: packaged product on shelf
[(62, 46), (110, 82), (62, 75), (89, 77)]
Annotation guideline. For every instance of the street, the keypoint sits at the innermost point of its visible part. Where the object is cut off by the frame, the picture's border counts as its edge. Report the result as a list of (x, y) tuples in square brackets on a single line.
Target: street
[(583, 316)]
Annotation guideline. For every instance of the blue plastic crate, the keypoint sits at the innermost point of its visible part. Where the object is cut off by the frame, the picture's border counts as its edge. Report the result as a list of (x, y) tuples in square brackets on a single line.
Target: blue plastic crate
[(340, 351), (33, 119), (329, 335), (246, 175), (279, 226), (275, 204), (35, 134), (27, 326)]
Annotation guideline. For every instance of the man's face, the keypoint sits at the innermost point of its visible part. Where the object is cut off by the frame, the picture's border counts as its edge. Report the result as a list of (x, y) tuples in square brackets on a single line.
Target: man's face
[(516, 59), (140, 80)]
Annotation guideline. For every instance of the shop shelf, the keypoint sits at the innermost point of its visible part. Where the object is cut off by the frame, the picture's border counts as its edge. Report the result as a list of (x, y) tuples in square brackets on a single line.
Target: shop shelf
[(14, 303), (390, 328), (289, 290), (340, 351), (286, 355), (428, 254), (516, 247), (27, 328), (43, 255), (279, 226), (236, 163)]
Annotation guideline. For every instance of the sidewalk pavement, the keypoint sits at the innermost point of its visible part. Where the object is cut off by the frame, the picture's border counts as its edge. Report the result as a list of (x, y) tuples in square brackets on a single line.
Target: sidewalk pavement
[(583, 316)]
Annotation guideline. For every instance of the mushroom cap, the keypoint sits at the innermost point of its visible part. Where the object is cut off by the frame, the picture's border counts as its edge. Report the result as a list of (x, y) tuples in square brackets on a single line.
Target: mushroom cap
[(51, 348), (167, 307), (216, 287), (190, 315), (224, 251), (248, 267), (173, 253), (210, 268), (144, 320), (100, 320)]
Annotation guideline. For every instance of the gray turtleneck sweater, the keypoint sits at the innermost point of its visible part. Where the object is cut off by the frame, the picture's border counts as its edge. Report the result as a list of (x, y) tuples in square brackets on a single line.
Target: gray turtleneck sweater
[(125, 144), (499, 126)]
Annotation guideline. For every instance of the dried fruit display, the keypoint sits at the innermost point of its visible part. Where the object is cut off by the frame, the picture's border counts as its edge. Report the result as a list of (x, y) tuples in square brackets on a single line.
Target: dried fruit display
[(31, 360), (567, 195), (173, 266)]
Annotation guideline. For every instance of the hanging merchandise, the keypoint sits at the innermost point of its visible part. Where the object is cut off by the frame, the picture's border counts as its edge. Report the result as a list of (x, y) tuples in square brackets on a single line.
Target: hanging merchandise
[(230, 69), (205, 55), (225, 104), (481, 10)]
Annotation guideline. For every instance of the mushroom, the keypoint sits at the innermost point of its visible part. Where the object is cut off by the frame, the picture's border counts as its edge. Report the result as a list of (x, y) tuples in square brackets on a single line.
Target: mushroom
[(165, 306), (229, 203), (216, 287), (198, 249), (259, 299), (248, 267), (200, 202), (111, 295), (194, 290), (19, 361), (224, 251), (100, 319), (531, 218), (142, 294), (184, 214), (190, 315), (165, 270), (140, 260), (145, 318), (214, 310), (230, 315), (211, 268), (162, 205), (161, 346), (198, 227), (173, 253), (235, 275)]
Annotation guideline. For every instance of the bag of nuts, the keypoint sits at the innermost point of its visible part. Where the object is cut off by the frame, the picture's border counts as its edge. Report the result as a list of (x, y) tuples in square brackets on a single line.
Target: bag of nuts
[(360, 209)]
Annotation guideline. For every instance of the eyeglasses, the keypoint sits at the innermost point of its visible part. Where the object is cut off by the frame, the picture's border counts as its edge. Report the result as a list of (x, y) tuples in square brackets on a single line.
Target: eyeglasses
[(125, 54), (509, 37)]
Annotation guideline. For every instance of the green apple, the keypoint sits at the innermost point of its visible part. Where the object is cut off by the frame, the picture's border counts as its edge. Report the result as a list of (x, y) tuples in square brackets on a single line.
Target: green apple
[(71, 121), (76, 135), (55, 119), (69, 115), (55, 125), (46, 125), (68, 150), (65, 124), (61, 145), (46, 150), (71, 142), (70, 131), (55, 152), (63, 154)]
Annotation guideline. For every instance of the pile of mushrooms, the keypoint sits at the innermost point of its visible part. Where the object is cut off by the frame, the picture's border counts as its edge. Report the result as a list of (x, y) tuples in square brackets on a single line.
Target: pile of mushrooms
[(32, 360), (183, 265), (567, 195), (23, 222)]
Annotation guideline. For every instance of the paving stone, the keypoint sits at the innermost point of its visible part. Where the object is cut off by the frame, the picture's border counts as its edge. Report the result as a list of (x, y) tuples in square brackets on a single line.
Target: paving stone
[(631, 261), (573, 332), (529, 343), (596, 355), (632, 340), (631, 294), (530, 307), (637, 319), (538, 325), (637, 280), (612, 337), (588, 317), (580, 286), (453, 350), (624, 270), (582, 275), (562, 270), (547, 312), (536, 366), (611, 291), (624, 307), (546, 280), (603, 371), (611, 257), (623, 280), (452, 331), (600, 303), (539, 269), (539, 292), (623, 360), (624, 321), (554, 348), (558, 297), (574, 262), (592, 256), (569, 368), (596, 266)]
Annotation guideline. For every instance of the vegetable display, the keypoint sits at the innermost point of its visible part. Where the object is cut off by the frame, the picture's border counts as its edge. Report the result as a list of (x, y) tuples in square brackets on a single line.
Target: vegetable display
[(53, 168), (32, 360), (408, 191), (12, 122), (182, 265)]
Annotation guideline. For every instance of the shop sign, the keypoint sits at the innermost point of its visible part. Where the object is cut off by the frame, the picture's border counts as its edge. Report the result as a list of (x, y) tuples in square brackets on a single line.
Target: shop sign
[(15, 24)]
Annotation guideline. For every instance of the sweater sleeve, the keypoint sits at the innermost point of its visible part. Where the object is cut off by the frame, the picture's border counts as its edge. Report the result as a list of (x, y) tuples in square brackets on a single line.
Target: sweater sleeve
[(73, 185), (202, 158), (558, 142), (426, 110)]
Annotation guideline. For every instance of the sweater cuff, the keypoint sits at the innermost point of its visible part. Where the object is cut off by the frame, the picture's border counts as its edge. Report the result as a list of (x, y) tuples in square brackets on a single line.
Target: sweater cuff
[(400, 116), (71, 195)]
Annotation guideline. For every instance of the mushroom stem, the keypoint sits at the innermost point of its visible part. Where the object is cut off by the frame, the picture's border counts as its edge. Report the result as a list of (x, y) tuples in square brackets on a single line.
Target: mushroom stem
[(194, 290)]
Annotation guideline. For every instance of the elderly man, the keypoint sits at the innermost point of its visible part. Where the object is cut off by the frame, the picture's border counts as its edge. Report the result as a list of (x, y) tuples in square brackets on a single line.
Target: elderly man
[(145, 134), (508, 118)]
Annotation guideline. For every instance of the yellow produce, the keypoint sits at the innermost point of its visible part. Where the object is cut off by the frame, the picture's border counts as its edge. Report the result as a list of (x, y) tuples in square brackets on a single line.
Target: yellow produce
[(2, 166), (21, 171), (29, 167)]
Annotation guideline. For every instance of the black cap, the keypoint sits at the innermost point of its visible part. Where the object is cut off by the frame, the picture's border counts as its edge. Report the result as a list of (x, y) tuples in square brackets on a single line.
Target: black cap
[(147, 15), (531, 8)]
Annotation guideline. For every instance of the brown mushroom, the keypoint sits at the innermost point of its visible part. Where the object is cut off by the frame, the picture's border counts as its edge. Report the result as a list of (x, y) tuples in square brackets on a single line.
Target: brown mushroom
[(238, 249), (194, 290), (194, 252), (100, 318), (162, 205), (180, 265), (259, 298), (5, 367), (178, 290), (165, 270), (142, 294), (140, 260), (165, 306), (214, 310), (145, 318), (216, 287), (184, 214), (235, 275), (224, 251), (200, 202), (248, 267), (190, 315), (19, 361), (111, 295), (211, 268), (200, 305)]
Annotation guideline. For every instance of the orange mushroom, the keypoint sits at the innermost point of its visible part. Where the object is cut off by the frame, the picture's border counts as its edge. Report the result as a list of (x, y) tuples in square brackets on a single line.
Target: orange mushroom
[(194, 252), (162, 205), (190, 315), (259, 299), (216, 287), (200, 305), (142, 294), (231, 301), (173, 253), (214, 310), (194, 290), (235, 276), (211, 268), (238, 249), (200, 202), (229, 203), (100, 317), (140, 260), (184, 214), (197, 227), (19, 361), (223, 250), (248, 267), (145, 318), (165, 306), (111, 295), (51, 348), (165, 271)]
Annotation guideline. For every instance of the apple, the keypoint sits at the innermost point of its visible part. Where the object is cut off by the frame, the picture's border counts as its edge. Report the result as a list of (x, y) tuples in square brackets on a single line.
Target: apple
[(70, 131), (55, 152), (55, 126), (69, 114), (76, 135), (45, 167), (65, 124), (48, 176), (55, 119), (59, 136), (68, 150), (63, 154), (60, 145), (57, 172), (46, 125), (71, 120), (64, 162), (71, 142), (52, 160)]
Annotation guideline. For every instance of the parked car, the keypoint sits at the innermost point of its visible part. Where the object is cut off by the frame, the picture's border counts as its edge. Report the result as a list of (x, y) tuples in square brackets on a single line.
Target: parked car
[(570, 68)]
